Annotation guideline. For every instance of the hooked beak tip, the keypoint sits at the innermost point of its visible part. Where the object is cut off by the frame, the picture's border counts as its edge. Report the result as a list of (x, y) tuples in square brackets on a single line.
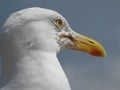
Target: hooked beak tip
[(85, 44)]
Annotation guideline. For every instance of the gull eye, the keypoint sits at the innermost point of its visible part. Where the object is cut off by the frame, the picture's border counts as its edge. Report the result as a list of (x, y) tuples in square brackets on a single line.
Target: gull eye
[(58, 22)]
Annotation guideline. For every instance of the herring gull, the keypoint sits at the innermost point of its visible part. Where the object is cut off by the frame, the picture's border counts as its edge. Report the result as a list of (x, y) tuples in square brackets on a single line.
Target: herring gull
[(30, 40)]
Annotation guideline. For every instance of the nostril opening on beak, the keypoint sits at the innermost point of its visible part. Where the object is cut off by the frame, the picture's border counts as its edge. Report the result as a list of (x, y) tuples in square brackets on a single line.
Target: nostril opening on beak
[(91, 42)]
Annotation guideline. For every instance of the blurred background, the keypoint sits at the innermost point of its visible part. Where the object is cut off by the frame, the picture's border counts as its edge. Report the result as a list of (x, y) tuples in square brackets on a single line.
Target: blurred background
[(98, 19)]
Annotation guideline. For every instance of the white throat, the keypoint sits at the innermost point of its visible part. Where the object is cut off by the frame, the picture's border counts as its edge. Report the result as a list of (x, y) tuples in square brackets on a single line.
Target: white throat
[(37, 70)]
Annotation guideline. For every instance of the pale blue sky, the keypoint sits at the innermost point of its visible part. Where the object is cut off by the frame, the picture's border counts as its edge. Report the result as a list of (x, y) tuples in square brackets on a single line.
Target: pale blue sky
[(99, 19)]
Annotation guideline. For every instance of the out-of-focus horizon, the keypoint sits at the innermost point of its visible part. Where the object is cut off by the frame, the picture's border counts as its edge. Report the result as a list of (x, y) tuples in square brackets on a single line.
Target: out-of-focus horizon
[(98, 19)]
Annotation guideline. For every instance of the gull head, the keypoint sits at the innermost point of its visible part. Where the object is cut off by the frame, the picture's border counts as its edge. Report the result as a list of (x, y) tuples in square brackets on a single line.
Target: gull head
[(46, 30)]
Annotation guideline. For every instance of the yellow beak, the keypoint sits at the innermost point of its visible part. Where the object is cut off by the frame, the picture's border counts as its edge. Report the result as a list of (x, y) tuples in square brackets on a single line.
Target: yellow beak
[(85, 44)]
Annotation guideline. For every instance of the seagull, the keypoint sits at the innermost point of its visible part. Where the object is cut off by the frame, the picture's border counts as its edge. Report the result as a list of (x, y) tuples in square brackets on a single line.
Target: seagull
[(29, 43)]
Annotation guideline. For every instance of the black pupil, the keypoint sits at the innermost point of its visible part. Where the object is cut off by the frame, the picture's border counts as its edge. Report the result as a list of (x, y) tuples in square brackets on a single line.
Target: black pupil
[(59, 22)]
